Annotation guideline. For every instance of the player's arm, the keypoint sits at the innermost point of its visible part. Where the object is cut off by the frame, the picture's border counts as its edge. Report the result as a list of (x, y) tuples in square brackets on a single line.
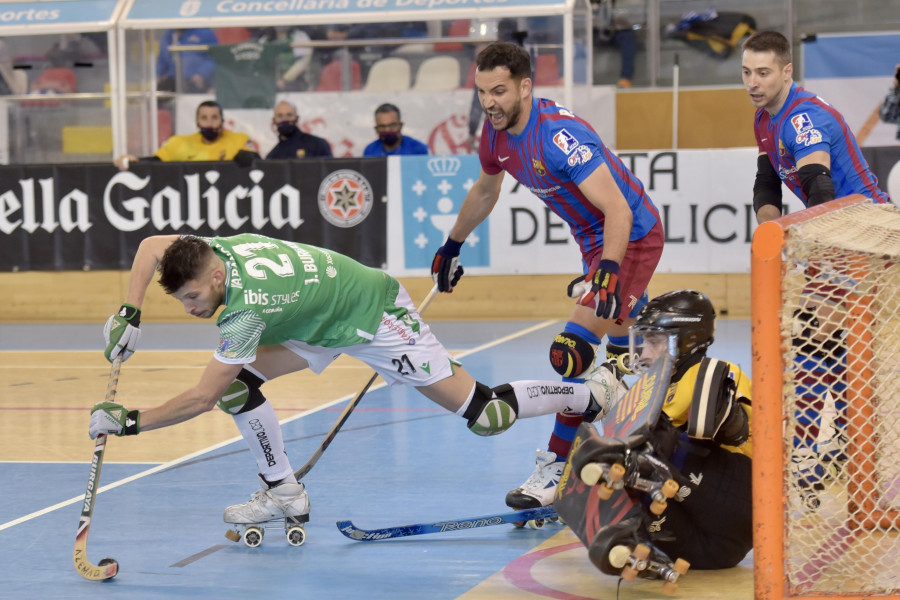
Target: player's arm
[(716, 412), (113, 418), (767, 200), (122, 330), (601, 286), (479, 202), (146, 260), (601, 189), (814, 171)]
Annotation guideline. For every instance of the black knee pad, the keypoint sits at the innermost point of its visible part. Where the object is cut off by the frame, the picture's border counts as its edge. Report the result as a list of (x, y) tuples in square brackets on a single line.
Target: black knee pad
[(571, 355), (243, 394), (619, 356)]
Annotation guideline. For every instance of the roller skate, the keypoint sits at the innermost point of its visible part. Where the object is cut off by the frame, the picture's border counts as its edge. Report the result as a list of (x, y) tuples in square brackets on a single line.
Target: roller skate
[(607, 388), (628, 463), (624, 549), (282, 506)]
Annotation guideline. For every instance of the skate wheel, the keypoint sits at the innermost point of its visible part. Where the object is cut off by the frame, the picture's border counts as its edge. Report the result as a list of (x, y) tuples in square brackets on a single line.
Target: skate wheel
[(233, 535), (678, 569), (618, 556), (296, 535), (591, 473), (638, 560), (604, 491), (536, 523), (657, 508), (616, 473), (670, 488), (253, 537)]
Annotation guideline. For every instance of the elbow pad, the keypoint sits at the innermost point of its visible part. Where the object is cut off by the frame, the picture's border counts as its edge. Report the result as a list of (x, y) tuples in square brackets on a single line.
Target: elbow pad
[(815, 180), (767, 187)]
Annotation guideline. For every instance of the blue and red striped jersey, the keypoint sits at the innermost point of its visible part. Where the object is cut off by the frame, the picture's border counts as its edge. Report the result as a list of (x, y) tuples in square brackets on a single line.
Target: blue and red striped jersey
[(807, 123), (554, 153)]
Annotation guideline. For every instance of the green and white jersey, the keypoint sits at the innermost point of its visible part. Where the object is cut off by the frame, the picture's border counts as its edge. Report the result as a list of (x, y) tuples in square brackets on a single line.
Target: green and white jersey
[(277, 291)]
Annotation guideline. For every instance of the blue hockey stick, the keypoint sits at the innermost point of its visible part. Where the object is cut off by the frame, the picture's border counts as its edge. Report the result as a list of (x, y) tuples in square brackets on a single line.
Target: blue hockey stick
[(370, 535)]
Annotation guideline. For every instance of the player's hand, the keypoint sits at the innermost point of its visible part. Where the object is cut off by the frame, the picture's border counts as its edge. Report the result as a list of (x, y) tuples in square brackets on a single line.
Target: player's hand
[(445, 268), (113, 418), (122, 332), (603, 286)]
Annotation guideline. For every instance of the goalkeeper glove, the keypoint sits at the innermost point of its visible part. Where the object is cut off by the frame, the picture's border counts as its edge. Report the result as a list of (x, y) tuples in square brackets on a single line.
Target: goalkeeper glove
[(122, 332), (445, 268), (113, 418), (603, 286)]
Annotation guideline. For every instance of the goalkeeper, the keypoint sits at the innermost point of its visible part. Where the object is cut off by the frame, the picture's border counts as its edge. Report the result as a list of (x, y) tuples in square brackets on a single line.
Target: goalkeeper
[(563, 161), (290, 307), (704, 436)]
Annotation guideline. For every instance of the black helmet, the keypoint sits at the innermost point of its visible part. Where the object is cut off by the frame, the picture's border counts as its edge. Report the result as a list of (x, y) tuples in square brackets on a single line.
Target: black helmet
[(685, 313)]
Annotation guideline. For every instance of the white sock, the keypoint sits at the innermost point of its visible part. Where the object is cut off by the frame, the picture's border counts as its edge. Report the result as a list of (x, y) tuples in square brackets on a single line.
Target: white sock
[(538, 398), (262, 432)]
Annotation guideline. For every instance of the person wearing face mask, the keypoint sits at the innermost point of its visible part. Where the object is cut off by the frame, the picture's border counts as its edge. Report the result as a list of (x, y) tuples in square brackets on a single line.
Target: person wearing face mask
[(390, 140), (292, 142), (211, 142)]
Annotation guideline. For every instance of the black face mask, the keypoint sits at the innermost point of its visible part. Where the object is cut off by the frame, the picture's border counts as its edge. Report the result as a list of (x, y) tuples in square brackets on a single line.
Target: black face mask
[(287, 129), (389, 138), (209, 133)]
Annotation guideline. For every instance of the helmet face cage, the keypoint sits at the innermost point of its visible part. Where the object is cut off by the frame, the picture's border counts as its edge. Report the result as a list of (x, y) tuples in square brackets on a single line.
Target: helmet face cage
[(641, 338), (686, 314)]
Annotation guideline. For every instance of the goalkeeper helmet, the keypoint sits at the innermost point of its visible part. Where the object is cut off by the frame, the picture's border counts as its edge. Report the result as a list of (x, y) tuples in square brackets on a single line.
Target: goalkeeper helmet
[(686, 314)]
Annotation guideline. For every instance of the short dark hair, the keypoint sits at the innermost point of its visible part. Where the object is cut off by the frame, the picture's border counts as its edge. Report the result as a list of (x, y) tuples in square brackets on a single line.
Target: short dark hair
[(770, 41), (183, 261), (386, 108), (505, 54), (213, 104)]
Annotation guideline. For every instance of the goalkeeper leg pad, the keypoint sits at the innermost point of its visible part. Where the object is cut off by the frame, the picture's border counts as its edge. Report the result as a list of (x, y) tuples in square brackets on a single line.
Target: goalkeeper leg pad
[(491, 411), (571, 355), (243, 394)]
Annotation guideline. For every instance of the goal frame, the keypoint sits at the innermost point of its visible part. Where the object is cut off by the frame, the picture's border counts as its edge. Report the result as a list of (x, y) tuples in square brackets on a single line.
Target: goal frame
[(769, 523)]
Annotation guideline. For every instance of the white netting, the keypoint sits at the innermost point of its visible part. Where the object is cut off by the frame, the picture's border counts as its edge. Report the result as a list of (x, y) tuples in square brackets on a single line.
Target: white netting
[(841, 340)]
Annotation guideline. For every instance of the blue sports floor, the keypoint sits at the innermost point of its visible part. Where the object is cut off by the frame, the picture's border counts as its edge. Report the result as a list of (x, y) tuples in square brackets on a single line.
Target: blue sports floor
[(399, 459)]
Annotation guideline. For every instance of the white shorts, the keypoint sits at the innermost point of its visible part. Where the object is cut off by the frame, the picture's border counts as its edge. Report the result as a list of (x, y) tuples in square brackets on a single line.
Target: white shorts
[(403, 351)]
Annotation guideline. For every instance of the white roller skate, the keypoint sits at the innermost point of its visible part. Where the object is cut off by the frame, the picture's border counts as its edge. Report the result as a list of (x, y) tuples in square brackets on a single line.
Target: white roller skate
[(607, 388), (284, 505), (540, 488)]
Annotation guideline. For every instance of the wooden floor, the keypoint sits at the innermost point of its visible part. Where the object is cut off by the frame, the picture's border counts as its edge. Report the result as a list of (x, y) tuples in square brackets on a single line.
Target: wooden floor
[(423, 461)]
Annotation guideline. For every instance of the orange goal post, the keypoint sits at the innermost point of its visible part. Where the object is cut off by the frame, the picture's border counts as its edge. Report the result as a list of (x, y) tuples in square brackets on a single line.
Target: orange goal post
[(825, 317)]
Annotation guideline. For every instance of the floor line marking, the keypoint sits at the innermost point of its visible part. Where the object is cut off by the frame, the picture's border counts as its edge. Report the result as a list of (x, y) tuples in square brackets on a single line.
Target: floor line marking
[(222, 444)]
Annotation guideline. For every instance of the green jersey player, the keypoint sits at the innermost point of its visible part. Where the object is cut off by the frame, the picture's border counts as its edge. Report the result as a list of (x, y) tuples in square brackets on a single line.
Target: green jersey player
[(289, 307)]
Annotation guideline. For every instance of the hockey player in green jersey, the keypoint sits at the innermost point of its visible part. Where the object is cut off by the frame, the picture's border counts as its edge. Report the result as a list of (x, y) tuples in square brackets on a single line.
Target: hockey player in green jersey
[(289, 307)]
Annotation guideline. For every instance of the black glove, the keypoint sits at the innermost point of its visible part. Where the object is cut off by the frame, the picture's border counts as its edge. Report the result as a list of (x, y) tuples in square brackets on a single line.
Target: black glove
[(445, 268), (602, 284)]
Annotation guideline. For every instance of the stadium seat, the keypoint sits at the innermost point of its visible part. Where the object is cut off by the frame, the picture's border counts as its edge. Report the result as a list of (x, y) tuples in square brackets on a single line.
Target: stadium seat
[(546, 70), (390, 74), (232, 35), (330, 80), (55, 80), (458, 28), (438, 73)]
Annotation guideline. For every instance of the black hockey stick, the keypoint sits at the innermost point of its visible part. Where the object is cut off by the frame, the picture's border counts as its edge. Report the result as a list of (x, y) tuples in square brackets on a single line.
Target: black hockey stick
[(302, 471), (108, 567)]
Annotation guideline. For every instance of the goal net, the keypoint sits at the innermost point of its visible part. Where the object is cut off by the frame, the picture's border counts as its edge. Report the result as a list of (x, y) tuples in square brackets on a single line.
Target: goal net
[(826, 379)]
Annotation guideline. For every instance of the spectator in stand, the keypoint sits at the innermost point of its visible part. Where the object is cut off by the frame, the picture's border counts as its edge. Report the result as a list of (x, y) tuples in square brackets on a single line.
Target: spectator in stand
[(197, 68), (292, 142), (390, 140), (211, 142)]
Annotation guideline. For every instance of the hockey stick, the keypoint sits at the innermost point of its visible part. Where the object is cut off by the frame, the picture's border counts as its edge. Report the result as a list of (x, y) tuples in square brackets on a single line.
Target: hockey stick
[(370, 535), (108, 567), (302, 471)]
